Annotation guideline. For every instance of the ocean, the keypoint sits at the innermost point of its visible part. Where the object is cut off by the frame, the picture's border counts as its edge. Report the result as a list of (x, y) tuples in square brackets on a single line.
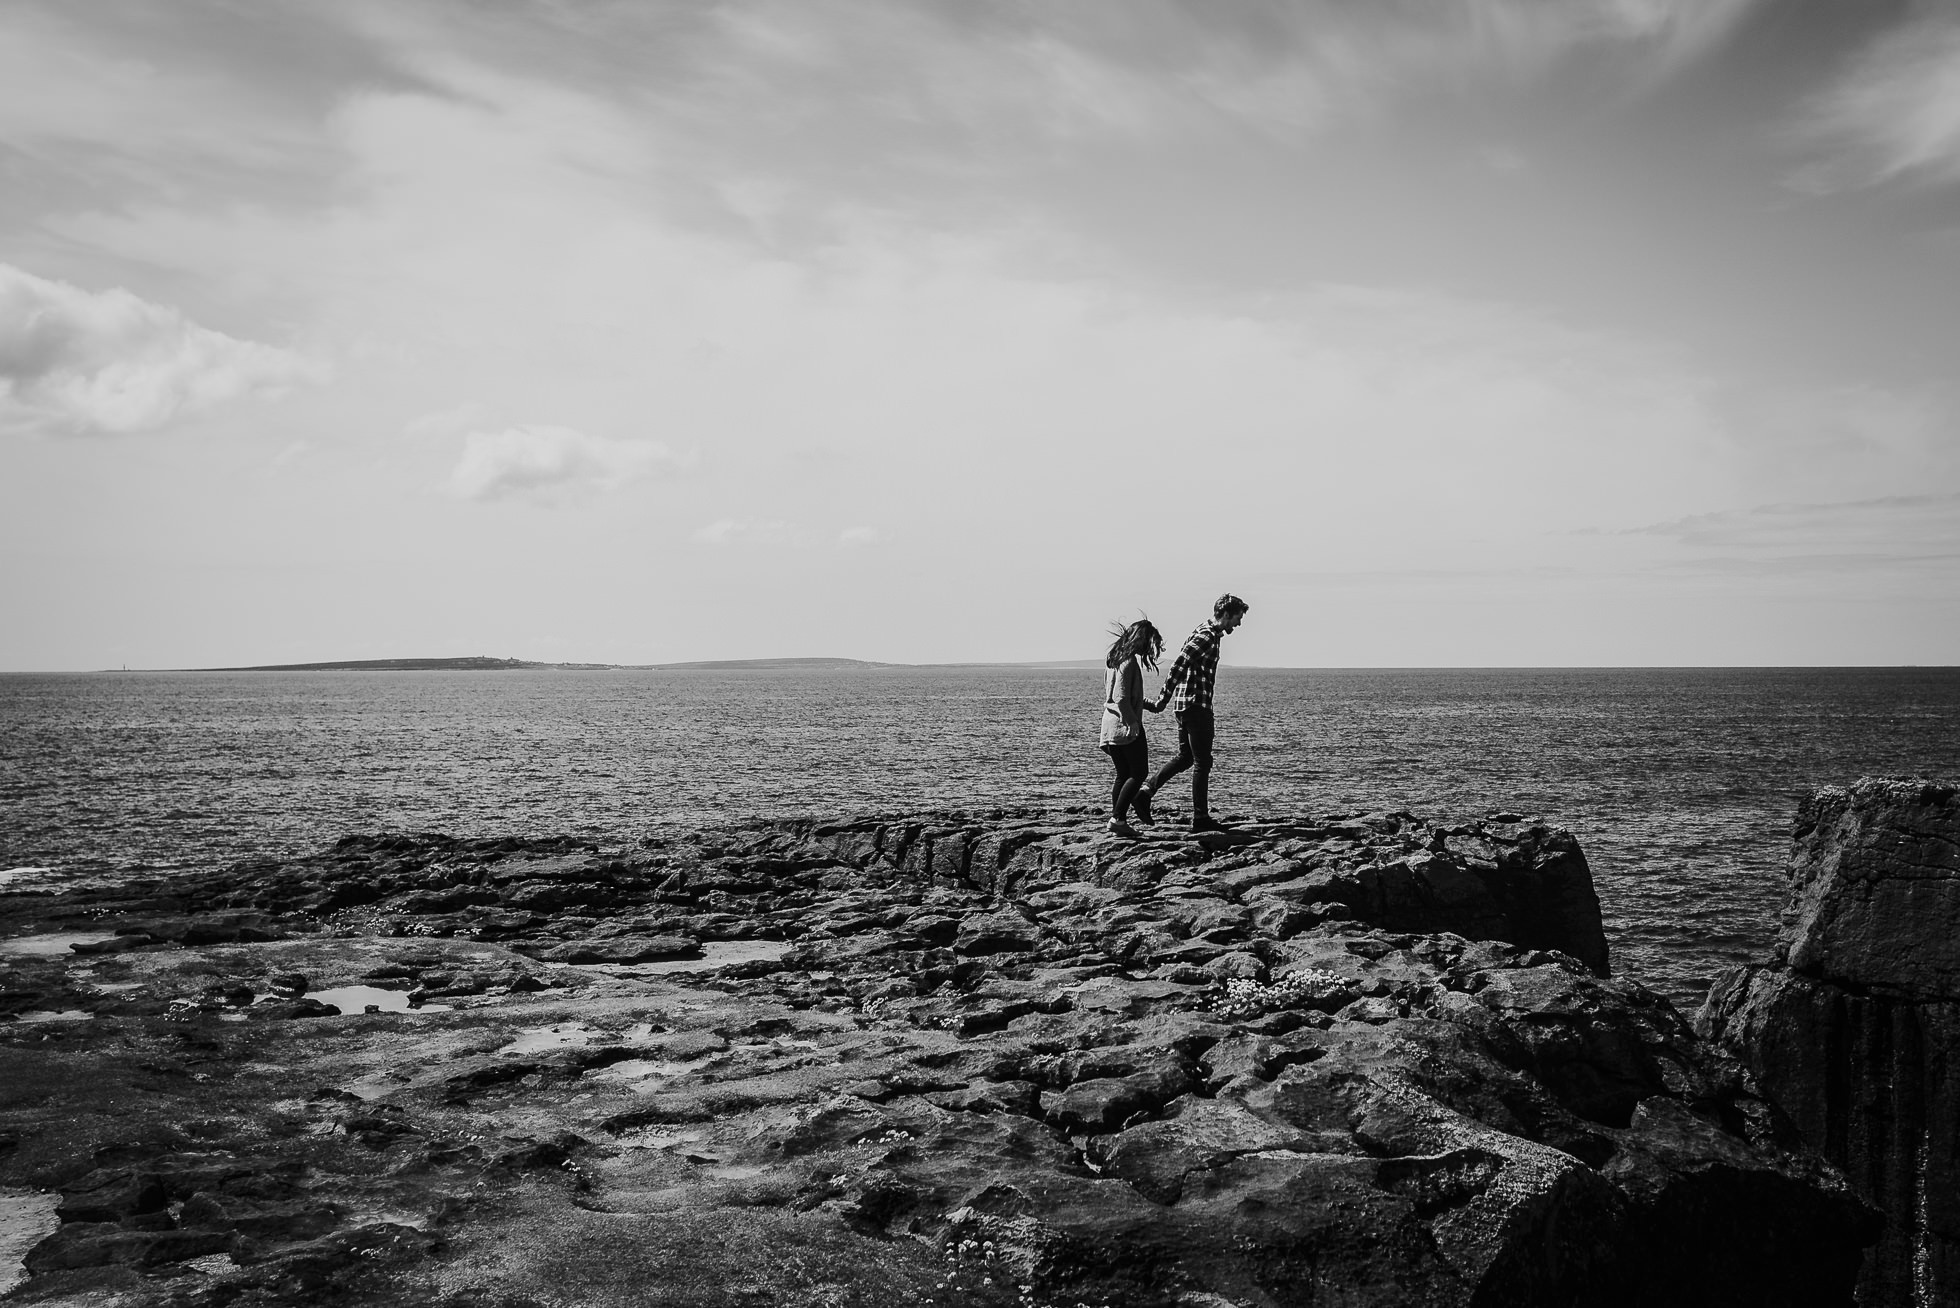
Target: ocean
[(1680, 784)]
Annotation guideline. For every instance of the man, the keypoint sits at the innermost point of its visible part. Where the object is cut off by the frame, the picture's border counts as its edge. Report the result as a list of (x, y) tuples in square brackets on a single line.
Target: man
[(1188, 690)]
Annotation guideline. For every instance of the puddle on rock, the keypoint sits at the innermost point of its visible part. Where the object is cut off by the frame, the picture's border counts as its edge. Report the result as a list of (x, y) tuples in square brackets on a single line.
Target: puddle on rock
[(355, 1000), (371, 1087), (641, 1069), (537, 1039), (717, 953), (52, 945), (26, 1218)]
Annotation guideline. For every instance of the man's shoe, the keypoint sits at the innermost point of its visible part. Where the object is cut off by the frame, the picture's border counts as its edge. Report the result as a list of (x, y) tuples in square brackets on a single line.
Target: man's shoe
[(1206, 824), (1140, 805), (1118, 827)]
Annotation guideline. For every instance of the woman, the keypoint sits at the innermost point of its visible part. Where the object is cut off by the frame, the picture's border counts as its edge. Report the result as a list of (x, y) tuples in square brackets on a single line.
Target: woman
[(1136, 647)]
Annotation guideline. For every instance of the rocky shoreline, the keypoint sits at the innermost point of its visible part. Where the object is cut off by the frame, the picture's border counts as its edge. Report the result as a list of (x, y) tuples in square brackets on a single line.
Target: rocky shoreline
[(949, 1058)]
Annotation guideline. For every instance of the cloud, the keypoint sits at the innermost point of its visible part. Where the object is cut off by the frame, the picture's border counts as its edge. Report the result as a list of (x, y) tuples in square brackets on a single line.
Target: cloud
[(925, 358), (1895, 114), (67, 80), (860, 536), (742, 531), (1885, 533), (761, 115), (77, 361), (1800, 521), (1305, 64), (545, 461)]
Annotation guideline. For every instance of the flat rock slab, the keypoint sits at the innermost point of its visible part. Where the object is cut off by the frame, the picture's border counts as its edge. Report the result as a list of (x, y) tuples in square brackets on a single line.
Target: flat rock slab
[(27, 1217)]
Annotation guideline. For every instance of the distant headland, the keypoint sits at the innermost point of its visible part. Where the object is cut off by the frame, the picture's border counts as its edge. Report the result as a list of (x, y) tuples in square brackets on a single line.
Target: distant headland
[(485, 663), (732, 665), (474, 663)]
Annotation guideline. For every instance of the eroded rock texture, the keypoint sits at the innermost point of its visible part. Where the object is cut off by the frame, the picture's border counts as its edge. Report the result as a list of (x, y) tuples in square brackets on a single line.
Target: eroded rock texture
[(955, 1059), (1854, 1028)]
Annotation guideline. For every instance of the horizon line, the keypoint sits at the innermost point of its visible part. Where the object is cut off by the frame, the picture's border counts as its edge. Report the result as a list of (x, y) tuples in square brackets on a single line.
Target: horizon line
[(839, 664)]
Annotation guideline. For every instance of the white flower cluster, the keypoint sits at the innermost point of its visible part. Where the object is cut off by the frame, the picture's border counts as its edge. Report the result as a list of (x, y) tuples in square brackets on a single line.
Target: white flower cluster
[(976, 1264), (1243, 1000)]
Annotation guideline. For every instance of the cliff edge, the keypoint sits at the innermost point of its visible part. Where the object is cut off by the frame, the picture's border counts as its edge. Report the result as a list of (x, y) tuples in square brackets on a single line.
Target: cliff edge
[(1854, 1027), (960, 1059)]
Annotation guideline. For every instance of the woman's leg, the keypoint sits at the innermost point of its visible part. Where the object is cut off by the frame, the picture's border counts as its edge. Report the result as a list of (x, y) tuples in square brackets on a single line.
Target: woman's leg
[(1132, 761)]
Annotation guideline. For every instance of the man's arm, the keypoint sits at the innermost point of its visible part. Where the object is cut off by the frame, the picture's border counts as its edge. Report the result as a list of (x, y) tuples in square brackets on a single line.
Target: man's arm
[(1180, 669)]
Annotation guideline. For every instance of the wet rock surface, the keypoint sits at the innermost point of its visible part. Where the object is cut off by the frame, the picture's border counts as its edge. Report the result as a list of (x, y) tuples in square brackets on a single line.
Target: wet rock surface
[(1853, 1026), (946, 1058)]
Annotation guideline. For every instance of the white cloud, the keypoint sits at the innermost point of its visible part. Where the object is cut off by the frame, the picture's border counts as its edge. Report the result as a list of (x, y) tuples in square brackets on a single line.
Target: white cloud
[(860, 536), (1895, 113), (745, 531), (79, 361), (547, 460)]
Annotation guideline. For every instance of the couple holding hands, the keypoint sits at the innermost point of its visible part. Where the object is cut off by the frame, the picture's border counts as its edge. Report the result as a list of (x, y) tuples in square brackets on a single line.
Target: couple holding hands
[(1187, 690)]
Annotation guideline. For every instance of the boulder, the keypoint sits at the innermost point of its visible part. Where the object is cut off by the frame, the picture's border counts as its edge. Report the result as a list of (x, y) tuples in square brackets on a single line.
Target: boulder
[(1853, 1027)]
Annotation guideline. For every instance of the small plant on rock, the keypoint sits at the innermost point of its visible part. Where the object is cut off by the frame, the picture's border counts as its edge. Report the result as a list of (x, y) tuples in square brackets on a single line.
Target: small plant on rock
[(1241, 999)]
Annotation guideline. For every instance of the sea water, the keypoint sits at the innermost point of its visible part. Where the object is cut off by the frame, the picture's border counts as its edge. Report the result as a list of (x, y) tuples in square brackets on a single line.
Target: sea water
[(1679, 783)]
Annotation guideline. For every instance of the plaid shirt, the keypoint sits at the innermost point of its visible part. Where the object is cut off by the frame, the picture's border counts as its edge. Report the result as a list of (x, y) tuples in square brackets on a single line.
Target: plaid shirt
[(1189, 683)]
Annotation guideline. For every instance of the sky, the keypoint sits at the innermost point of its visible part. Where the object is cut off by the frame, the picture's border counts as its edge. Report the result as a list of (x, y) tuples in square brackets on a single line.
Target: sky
[(1445, 332)]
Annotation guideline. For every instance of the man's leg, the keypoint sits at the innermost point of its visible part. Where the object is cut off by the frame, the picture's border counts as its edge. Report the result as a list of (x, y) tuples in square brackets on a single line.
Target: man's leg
[(1177, 764), (1196, 732)]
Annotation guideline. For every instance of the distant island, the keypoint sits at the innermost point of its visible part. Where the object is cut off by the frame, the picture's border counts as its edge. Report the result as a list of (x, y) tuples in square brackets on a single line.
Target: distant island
[(474, 663), (485, 663), (736, 665)]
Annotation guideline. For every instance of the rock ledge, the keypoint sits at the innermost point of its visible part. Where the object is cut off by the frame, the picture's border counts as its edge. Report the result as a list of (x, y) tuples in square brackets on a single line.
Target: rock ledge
[(981, 1059)]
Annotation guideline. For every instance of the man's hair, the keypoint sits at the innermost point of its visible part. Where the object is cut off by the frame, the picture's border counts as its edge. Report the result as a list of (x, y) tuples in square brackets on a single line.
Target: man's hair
[(1229, 604)]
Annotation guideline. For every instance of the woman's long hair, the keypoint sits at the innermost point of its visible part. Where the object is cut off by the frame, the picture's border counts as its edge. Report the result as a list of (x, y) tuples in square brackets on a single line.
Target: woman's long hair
[(1140, 638)]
